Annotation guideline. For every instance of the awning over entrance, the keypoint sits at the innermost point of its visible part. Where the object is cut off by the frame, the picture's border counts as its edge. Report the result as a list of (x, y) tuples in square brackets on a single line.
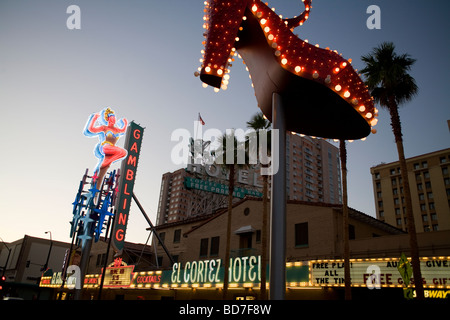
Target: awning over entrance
[(245, 229)]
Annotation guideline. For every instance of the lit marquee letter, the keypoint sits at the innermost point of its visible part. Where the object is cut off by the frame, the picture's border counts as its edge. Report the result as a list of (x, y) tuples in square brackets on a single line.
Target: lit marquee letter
[(120, 235), (137, 134), (131, 160), (130, 175)]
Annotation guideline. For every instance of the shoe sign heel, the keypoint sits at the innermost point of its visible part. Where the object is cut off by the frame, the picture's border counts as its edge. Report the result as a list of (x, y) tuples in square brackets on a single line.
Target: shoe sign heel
[(317, 85), (222, 21)]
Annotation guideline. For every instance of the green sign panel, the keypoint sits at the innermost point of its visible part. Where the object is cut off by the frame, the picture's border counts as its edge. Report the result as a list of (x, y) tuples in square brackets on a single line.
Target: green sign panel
[(243, 271), (220, 188)]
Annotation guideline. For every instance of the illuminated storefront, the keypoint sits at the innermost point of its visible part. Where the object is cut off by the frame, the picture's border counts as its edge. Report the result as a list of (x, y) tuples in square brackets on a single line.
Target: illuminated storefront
[(245, 277)]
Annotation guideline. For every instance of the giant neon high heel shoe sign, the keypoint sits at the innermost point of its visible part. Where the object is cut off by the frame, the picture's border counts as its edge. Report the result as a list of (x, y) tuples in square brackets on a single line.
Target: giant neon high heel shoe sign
[(322, 94), (298, 86)]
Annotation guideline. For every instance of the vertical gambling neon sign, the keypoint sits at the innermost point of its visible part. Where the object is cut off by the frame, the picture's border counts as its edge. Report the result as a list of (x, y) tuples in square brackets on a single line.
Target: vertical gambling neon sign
[(126, 184)]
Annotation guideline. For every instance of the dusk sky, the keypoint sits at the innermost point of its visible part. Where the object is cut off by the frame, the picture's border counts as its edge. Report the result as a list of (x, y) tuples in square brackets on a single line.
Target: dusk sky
[(139, 57)]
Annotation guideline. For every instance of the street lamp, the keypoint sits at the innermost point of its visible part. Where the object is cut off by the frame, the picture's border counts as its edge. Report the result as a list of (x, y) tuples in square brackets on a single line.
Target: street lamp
[(49, 251)]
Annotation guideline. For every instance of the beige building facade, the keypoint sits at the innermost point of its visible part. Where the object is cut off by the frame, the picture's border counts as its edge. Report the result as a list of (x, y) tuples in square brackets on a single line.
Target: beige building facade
[(314, 231), (429, 180)]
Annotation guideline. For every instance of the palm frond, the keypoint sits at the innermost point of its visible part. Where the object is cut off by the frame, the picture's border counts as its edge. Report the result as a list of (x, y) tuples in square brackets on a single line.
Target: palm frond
[(386, 75)]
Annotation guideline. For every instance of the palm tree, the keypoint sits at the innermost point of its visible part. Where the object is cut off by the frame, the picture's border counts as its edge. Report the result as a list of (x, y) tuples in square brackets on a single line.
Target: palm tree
[(347, 282), (390, 84), (224, 152), (259, 122)]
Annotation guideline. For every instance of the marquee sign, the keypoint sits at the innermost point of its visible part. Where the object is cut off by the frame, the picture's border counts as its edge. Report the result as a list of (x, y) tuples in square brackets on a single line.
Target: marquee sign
[(126, 184), (118, 274), (383, 272), (146, 279), (243, 270), (56, 281)]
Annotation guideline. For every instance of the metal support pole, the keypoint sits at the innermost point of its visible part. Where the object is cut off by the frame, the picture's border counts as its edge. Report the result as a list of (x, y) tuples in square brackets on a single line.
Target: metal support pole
[(154, 247), (278, 198), (85, 254), (153, 228), (105, 264), (44, 268), (66, 265)]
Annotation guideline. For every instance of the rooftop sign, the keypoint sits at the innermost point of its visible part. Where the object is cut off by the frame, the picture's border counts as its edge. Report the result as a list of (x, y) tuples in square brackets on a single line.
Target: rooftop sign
[(220, 188)]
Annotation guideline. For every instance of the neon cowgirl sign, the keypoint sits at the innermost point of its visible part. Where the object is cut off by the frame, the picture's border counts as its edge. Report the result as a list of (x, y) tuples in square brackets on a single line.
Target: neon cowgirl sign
[(104, 125)]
